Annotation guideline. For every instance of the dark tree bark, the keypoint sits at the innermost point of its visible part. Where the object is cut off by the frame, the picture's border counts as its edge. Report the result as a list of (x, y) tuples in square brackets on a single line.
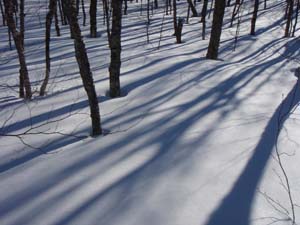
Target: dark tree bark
[(290, 6), (203, 17), (52, 8), (296, 18), (236, 10), (254, 17), (193, 8), (2, 13), (177, 24), (93, 18), (148, 12), (22, 21), (56, 23), (155, 4), (17, 36), (83, 13), (64, 11), (214, 42), (106, 12), (265, 4), (77, 6), (188, 14), (125, 7), (115, 48), (167, 7), (84, 67)]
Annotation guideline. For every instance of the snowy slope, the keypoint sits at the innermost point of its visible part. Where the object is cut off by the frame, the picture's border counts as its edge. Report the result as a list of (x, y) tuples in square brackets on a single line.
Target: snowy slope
[(191, 142)]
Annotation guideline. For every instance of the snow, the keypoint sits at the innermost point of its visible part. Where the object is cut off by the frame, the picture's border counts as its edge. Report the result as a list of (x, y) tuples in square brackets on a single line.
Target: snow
[(190, 142)]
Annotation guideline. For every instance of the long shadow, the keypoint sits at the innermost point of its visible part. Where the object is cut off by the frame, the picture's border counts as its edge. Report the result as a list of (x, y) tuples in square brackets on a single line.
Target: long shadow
[(236, 206)]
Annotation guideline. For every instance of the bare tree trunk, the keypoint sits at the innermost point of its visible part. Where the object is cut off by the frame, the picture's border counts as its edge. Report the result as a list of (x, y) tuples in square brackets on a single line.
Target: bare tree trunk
[(17, 36), (64, 10), (93, 18), (235, 11), (296, 18), (193, 8), (84, 67), (22, 21), (167, 7), (188, 14), (289, 18), (56, 23), (115, 48), (175, 18), (265, 4), (106, 9), (155, 4), (254, 17), (125, 7), (2, 13), (83, 12), (216, 31), (49, 18), (203, 18), (177, 24), (148, 12)]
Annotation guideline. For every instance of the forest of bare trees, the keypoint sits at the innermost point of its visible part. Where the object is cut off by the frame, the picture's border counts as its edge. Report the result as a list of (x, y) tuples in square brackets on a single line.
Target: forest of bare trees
[(65, 13)]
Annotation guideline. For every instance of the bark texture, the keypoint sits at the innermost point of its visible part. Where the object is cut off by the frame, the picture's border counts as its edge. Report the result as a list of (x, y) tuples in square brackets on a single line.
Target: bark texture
[(254, 17), (115, 49), (19, 42), (216, 31), (93, 18), (52, 8)]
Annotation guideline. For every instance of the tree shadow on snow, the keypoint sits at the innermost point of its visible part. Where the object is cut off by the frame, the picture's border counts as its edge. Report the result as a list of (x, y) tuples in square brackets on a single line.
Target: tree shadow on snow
[(235, 207)]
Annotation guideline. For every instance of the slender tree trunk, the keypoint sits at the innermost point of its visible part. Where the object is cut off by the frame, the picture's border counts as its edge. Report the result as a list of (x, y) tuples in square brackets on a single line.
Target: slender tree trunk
[(155, 4), (83, 12), (9, 40), (64, 10), (188, 14), (296, 18), (93, 18), (107, 18), (235, 11), (56, 23), (167, 7), (254, 17), (2, 13), (115, 48), (22, 21), (177, 23), (125, 7), (49, 18), (17, 36), (265, 4), (175, 18), (84, 67), (203, 18), (193, 8), (289, 18), (148, 12), (216, 31)]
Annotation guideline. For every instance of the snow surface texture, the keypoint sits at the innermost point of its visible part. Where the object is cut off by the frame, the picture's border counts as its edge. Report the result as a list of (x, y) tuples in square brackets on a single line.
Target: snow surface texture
[(191, 142)]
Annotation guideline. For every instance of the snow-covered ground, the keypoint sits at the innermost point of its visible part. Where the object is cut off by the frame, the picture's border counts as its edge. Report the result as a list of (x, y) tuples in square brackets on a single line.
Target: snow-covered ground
[(191, 142)]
